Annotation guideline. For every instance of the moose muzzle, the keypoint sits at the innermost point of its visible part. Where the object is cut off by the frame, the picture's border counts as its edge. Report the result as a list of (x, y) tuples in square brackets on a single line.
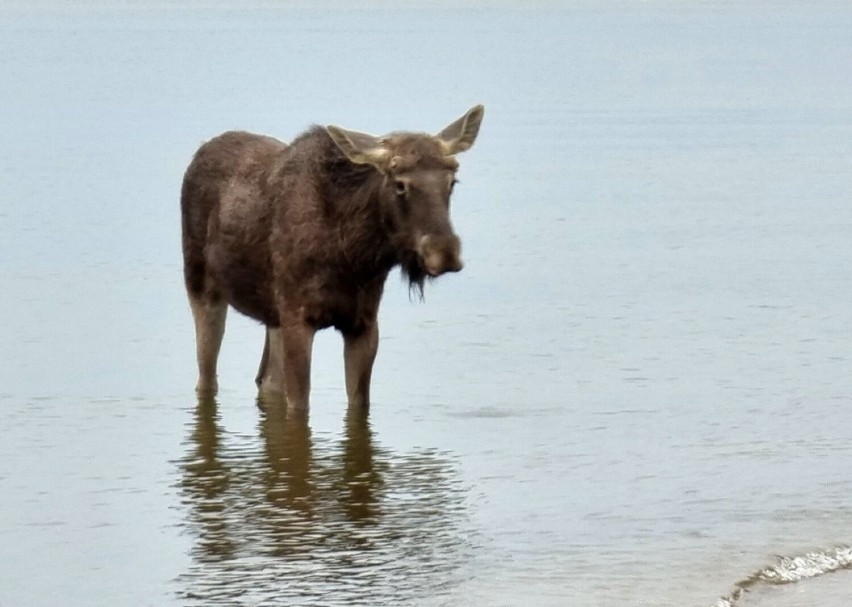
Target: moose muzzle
[(440, 254)]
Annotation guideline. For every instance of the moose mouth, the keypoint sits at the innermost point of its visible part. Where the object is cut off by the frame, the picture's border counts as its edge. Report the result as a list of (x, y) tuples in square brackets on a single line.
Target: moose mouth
[(435, 271), (417, 267)]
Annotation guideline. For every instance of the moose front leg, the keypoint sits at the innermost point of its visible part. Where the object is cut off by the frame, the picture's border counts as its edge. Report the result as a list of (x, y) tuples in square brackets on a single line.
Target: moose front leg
[(296, 341), (359, 353)]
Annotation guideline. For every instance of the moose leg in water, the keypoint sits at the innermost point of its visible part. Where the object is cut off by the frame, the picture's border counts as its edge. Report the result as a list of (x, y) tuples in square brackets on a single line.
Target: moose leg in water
[(297, 339), (264, 361), (270, 375), (209, 317), (359, 353)]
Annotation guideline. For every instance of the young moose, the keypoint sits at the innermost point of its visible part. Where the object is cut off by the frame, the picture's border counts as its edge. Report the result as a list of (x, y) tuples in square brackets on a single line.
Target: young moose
[(302, 237)]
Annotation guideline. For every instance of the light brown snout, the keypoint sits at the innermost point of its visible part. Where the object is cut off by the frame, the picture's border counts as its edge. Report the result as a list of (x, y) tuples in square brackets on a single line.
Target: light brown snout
[(441, 254)]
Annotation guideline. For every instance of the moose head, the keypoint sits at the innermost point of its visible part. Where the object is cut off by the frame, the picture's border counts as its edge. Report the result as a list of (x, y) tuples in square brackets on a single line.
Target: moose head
[(418, 172)]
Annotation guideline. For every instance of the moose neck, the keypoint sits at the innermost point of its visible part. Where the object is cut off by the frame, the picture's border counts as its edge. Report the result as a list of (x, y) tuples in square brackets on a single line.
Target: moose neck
[(364, 236), (369, 246)]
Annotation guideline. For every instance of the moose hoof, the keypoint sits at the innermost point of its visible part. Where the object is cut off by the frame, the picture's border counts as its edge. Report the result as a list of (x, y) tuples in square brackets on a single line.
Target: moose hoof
[(206, 387)]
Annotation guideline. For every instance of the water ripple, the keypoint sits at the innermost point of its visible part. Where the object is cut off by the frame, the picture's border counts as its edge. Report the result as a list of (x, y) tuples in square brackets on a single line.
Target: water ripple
[(304, 520), (790, 570)]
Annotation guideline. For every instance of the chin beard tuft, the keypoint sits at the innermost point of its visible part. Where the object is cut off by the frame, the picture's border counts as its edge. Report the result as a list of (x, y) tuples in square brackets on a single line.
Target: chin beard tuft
[(414, 272)]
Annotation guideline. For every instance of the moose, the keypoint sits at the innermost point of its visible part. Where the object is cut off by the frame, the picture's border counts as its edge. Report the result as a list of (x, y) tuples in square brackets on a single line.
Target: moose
[(301, 237)]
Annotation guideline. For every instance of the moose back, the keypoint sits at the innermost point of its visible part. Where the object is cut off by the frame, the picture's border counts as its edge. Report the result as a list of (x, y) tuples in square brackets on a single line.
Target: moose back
[(301, 237)]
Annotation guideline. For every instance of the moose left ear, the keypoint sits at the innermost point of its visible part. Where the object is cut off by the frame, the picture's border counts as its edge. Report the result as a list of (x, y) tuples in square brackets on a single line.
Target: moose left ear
[(460, 135), (360, 148)]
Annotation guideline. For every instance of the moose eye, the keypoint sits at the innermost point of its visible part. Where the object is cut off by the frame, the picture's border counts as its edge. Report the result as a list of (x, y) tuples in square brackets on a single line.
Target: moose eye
[(400, 187)]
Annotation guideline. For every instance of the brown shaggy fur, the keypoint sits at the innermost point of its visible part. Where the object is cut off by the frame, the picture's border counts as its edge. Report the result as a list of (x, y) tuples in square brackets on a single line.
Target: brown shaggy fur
[(302, 238)]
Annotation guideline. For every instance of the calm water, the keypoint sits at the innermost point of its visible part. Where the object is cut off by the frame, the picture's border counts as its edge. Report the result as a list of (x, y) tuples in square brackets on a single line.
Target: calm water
[(638, 392)]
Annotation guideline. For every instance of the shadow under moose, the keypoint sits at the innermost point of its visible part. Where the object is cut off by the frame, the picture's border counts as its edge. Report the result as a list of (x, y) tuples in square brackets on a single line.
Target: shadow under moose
[(302, 237), (294, 517)]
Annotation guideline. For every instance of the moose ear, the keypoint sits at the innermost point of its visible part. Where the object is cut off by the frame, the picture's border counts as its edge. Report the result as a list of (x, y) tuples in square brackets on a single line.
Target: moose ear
[(360, 148), (461, 134)]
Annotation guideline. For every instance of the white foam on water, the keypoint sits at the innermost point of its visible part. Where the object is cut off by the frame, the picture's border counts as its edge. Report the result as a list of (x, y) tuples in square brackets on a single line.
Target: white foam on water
[(790, 570)]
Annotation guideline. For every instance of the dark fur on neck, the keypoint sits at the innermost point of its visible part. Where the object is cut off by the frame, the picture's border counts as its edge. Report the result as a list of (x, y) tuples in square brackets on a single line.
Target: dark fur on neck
[(350, 193)]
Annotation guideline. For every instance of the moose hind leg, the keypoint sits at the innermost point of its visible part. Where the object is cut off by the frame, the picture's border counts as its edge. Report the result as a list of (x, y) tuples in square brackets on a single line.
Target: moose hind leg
[(209, 319), (264, 360), (270, 375)]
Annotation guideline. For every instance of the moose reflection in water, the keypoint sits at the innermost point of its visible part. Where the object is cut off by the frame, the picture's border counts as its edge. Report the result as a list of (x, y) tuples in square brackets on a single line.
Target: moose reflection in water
[(298, 518)]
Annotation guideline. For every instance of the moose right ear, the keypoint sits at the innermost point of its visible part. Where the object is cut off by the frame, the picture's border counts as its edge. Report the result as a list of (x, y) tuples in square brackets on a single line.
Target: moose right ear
[(360, 148), (460, 135)]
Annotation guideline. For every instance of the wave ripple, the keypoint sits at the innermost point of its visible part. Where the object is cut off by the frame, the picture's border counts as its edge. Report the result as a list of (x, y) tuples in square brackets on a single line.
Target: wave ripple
[(790, 570)]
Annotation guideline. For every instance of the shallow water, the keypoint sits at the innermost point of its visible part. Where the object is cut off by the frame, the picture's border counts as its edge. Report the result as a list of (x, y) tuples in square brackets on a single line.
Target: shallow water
[(637, 392)]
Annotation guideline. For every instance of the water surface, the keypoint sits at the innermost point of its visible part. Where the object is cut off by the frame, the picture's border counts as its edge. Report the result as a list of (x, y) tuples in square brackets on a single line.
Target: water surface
[(637, 392)]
